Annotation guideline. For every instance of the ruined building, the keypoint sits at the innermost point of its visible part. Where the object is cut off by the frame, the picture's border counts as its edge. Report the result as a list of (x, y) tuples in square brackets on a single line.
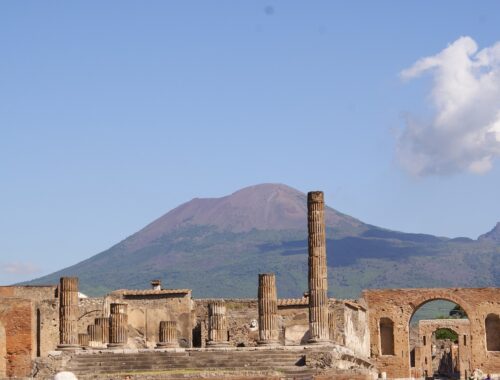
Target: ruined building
[(46, 329)]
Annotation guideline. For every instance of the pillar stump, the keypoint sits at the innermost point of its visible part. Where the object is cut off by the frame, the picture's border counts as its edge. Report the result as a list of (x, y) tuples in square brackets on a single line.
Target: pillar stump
[(268, 310), (118, 325), (217, 324), (102, 324), (168, 335), (94, 333), (68, 313), (83, 340), (317, 275)]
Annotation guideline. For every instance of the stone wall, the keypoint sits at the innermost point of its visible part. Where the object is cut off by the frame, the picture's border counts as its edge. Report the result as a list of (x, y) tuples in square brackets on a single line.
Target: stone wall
[(146, 309), (351, 329), (425, 360), (16, 344), (399, 305)]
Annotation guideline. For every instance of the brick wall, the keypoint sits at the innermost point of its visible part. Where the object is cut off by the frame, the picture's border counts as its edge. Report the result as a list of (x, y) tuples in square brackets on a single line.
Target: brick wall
[(15, 337)]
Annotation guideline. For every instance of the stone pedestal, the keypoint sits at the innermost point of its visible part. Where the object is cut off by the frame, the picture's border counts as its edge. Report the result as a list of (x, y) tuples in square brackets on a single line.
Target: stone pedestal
[(217, 324), (102, 324), (83, 340), (168, 335), (94, 334), (268, 310), (68, 313), (118, 325), (317, 276)]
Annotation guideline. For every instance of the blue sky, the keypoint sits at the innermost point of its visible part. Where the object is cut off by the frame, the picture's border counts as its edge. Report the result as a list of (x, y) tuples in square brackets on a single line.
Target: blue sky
[(112, 113)]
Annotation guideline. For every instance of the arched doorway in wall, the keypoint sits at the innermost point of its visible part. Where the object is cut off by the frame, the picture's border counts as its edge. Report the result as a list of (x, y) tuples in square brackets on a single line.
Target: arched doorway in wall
[(439, 339), (3, 352)]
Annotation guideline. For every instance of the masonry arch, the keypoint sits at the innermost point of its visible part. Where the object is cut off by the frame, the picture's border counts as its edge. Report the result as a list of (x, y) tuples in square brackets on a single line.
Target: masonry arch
[(430, 355), (400, 304)]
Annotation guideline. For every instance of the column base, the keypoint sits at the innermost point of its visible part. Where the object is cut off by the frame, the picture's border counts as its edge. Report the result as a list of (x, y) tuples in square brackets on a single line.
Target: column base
[(68, 347), (268, 343), (218, 344), (116, 345), (319, 342), (167, 345)]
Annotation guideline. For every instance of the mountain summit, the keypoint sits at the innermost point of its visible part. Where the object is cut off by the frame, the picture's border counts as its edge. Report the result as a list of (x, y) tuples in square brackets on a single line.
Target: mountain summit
[(217, 246), (260, 207), (493, 235)]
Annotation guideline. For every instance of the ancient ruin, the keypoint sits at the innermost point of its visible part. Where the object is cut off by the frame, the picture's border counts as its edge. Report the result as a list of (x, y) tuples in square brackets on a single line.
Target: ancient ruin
[(68, 313), (158, 332), (318, 282), (268, 310)]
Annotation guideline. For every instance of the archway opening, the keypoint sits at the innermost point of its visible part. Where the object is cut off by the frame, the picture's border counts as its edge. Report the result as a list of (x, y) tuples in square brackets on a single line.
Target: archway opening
[(439, 331)]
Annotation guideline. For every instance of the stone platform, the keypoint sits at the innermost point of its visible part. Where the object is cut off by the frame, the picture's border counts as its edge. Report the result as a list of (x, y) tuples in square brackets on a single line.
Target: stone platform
[(296, 362)]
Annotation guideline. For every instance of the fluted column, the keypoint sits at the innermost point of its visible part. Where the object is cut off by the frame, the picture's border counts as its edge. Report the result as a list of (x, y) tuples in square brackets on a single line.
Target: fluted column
[(268, 310), (318, 284), (217, 324), (168, 335), (118, 325), (94, 333), (102, 324), (83, 340), (68, 313)]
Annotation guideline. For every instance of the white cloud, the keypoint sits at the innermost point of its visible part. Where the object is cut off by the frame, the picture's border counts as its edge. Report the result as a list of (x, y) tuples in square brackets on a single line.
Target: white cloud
[(20, 268), (464, 132)]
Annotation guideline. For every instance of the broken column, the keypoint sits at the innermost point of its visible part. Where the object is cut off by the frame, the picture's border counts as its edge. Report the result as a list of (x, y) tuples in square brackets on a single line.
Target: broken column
[(217, 324), (102, 324), (317, 276), (83, 340), (268, 310), (168, 335), (95, 337), (118, 325), (68, 313)]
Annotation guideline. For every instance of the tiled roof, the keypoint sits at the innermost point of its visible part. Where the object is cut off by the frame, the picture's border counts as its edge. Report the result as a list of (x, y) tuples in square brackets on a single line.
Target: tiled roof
[(293, 302), (150, 292)]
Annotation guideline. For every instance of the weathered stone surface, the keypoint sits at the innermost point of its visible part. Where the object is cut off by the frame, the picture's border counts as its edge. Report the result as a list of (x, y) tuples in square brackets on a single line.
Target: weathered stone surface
[(317, 276), (268, 310), (83, 340), (118, 326), (399, 305), (424, 355), (168, 335), (102, 325), (68, 313), (217, 324), (15, 337)]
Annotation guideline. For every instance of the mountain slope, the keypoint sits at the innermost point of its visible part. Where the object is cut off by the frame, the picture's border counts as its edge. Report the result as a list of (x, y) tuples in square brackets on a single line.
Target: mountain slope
[(217, 246)]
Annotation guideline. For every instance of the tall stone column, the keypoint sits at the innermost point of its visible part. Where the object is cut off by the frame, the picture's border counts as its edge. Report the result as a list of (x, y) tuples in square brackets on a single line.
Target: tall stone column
[(68, 313), (102, 324), (268, 310), (318, 284), (168, 335), (217, 324), (118, 325)]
